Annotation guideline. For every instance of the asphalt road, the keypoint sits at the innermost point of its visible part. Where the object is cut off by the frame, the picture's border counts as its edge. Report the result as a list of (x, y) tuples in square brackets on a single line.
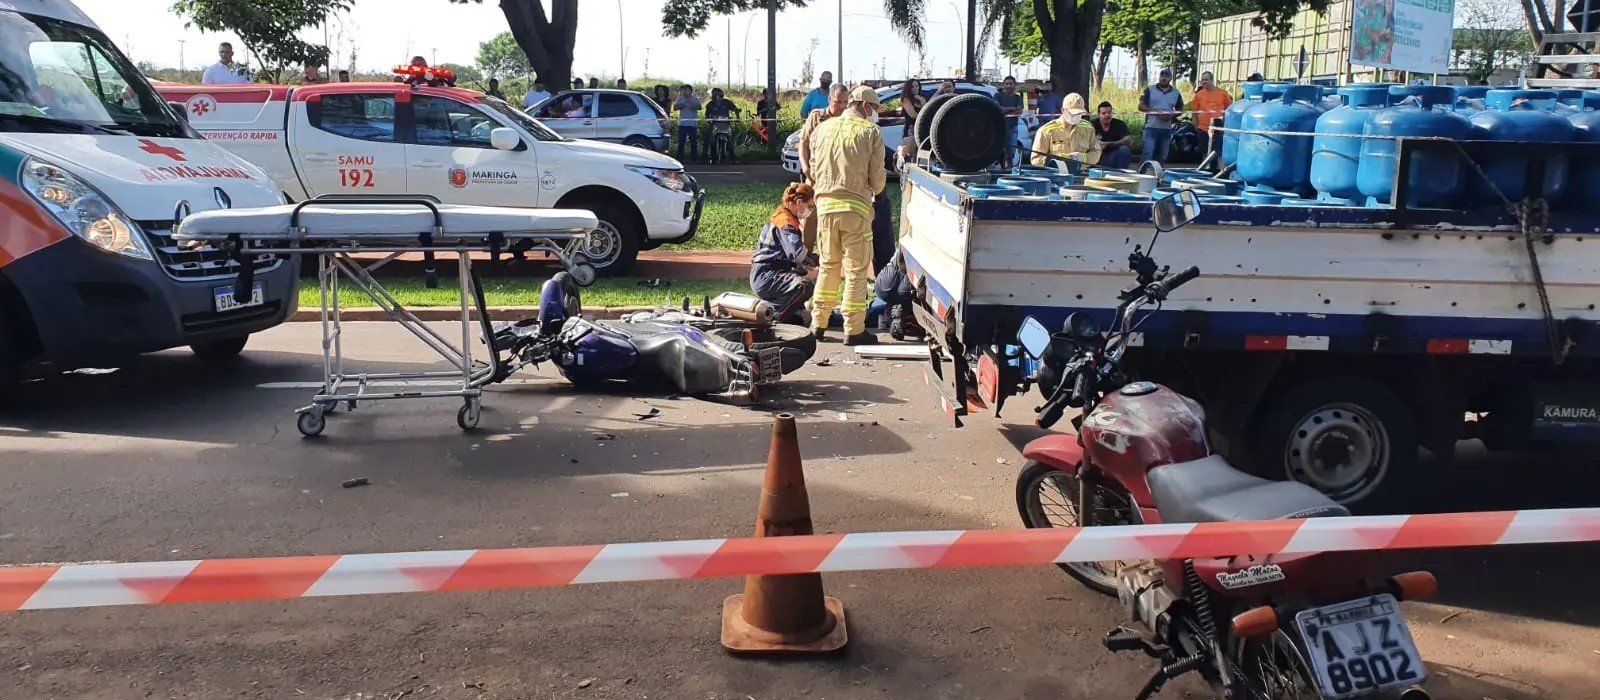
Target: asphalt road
[(175, 459), (736, 174)]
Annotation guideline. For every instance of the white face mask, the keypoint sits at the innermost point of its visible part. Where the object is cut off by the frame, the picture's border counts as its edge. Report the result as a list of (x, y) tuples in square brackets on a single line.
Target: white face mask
[(805, 213), (873, 116)]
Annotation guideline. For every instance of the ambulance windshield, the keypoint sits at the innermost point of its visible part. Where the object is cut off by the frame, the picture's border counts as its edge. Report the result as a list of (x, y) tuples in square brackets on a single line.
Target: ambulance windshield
[(60, 77)]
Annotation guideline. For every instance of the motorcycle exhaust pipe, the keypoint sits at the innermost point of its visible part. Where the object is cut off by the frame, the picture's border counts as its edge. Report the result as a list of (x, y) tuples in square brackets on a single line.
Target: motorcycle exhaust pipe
[(1415, 693), (744, 307)]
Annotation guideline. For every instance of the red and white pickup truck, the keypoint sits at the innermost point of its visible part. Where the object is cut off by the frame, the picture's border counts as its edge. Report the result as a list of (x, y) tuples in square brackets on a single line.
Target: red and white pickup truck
[(461, 146)]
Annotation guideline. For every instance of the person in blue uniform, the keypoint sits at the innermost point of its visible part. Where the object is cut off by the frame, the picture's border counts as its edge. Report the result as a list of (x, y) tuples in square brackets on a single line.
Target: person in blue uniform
[(781, 262)]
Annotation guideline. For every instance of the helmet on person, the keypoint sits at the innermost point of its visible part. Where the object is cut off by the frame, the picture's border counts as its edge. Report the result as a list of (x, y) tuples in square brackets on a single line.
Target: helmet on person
[(716, 93)]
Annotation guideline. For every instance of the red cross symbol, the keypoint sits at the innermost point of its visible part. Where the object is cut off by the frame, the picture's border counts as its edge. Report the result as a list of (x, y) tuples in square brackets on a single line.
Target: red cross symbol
[(200, 107), (152, 147)]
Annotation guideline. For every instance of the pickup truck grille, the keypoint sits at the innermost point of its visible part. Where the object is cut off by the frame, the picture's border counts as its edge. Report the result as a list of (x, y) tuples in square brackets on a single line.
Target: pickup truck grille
[(196, 263)]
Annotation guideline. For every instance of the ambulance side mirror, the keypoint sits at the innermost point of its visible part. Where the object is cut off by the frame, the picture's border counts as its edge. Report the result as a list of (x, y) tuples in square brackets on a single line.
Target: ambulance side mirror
[(180, 109), (504, 139)]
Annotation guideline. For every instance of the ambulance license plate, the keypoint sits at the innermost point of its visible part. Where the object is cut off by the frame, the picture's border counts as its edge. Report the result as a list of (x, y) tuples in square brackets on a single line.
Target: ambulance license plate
[(225, 301)]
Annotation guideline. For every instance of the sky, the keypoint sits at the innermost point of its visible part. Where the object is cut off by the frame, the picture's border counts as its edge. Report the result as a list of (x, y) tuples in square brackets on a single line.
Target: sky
[(387, 32)]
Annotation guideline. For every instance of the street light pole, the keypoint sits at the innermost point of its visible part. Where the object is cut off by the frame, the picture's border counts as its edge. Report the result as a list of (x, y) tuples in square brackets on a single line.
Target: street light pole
[(960, 30), (622, 52), (841, 41)]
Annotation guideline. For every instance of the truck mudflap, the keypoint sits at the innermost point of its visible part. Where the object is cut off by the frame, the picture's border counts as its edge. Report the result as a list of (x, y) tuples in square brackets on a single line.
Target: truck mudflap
[(957, 388)]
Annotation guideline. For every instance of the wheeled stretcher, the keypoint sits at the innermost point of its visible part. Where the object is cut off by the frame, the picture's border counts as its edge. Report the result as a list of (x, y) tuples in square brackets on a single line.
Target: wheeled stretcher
[(336, 229)]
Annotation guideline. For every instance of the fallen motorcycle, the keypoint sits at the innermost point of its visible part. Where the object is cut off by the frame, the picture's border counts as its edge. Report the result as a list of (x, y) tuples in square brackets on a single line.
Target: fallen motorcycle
[(728, 350), (1253, 626)]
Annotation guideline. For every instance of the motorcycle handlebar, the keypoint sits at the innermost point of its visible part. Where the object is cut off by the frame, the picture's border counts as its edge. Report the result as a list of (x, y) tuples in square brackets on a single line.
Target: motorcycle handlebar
[(1160, 290)]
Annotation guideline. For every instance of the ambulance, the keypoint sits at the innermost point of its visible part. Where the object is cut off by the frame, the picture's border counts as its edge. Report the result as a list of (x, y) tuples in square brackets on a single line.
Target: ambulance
[(461, 146), (95, 171)]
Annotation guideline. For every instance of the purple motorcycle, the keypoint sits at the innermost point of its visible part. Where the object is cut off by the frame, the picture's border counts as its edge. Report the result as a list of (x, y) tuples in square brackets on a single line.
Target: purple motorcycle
[(728, 350)]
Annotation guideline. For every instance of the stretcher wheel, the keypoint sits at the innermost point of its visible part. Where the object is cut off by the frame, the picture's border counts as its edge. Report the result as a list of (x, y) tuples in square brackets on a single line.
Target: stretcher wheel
[(584, 274), (311, 422), (467, 417)]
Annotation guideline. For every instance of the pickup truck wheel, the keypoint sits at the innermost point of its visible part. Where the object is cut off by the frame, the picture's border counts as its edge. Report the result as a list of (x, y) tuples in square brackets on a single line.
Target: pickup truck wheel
[(613, 246), (216, 350), (1350, 437)]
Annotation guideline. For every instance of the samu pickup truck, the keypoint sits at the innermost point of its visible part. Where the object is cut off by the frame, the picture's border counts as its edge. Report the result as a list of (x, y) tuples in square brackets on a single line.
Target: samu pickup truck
[(461, 146)]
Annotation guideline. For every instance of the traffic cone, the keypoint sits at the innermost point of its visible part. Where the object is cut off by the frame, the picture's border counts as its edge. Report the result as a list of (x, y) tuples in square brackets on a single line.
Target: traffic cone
[(786, 613)]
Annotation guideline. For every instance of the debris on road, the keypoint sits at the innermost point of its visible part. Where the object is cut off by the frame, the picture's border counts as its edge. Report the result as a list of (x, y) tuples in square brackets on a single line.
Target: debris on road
[(620, 494), (475, 685), (605, 436), (893, 352), (976, 630), (999, 460), (1452, 616), (585, 682), (647, 415), (358, 481), (844, 416), (825, 362)]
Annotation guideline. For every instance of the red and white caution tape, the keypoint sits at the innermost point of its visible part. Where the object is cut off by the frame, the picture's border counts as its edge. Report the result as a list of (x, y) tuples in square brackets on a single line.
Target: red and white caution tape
[(217, 580)]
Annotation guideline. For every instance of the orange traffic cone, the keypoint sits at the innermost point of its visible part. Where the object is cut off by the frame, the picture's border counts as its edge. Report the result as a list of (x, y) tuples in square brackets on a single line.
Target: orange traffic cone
[(787, 613)]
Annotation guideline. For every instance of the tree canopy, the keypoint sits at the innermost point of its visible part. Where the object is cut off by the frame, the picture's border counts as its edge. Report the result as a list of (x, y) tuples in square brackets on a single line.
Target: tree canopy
[(501, 57), (268, 29), (690, 17), (546, 38)]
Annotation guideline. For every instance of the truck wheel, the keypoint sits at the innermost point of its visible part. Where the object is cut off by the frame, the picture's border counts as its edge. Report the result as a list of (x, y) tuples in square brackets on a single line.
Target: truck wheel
[(1350, 437), (225, 349), (922, 128), (969, 133), (613, 246)]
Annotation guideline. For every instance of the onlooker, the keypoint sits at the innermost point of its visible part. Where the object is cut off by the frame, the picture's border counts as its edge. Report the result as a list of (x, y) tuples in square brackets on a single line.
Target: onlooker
[(594, 83), (838, 98), (1116, 142), (622, 83), (225, 71), (662, 96), (577, 83), (1255, 78), (1209, 103), (1049, 101), (536, 95), (818, 98), (344, 76), (720, 111), (911, 100), (312, 76), (494, 89), (781, 261), (766, 108), (1011, 106), (946, 87), (1067, 137), (688, 108), (1161, 104)]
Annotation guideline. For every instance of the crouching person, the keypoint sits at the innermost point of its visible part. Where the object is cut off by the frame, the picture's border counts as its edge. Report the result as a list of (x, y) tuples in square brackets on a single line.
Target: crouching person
[(781, 262)]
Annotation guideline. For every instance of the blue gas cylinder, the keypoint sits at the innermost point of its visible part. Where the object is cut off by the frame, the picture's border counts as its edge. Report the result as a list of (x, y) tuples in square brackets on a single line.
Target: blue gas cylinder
[(1518, 115), (1230, 120), (1583, 178), (1570, 98), (1336, 150), (1331, 99), (1434, 180), (1469, 98), (1274, 161)]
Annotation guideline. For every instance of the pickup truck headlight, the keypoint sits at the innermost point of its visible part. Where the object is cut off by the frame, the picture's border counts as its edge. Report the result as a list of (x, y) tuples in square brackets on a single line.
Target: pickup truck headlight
[(81, 208), (670, 179), (793, 141)]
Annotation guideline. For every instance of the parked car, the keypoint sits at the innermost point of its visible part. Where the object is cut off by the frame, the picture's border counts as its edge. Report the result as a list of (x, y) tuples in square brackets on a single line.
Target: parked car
[(626, 117), (893, 127), (95, 170), (461, 146)]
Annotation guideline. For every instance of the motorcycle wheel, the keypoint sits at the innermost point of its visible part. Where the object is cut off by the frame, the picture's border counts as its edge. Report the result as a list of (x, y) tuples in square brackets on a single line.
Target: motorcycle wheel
[(1049, 497), (1275, 668), (797, 341)]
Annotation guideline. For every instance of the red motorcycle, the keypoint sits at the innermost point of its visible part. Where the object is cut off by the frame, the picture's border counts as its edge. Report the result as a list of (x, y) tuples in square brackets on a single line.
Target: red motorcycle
[(1254, 626)]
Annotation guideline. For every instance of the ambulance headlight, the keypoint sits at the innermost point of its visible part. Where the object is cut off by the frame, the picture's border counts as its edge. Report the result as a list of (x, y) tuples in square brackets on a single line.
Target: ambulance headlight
[(83, 210)]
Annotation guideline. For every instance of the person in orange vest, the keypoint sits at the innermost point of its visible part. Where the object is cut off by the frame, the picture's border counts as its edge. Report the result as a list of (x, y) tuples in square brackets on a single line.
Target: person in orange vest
[(1209, 102)]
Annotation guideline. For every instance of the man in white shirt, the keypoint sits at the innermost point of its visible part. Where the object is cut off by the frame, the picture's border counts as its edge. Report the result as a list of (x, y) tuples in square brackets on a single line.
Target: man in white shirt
[(536, 95), (225, 71)]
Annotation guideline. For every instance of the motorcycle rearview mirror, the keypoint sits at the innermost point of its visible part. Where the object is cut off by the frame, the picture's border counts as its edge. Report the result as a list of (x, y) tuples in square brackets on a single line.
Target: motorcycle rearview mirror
[(1175, 211), (1034, 337)]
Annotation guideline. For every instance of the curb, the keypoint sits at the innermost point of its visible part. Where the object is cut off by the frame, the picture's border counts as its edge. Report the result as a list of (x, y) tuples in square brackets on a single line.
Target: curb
[(452, 313)]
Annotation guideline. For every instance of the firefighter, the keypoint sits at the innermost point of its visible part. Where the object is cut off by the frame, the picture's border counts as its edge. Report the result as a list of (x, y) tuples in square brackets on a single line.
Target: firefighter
[(1067, 137), (846, 169)]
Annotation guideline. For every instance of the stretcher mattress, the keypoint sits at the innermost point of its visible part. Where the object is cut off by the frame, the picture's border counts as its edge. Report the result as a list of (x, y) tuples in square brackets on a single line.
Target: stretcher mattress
[(373, 222)]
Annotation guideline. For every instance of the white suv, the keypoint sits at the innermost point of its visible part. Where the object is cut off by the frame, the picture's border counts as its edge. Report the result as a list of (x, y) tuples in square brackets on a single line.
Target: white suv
[(624, 116)]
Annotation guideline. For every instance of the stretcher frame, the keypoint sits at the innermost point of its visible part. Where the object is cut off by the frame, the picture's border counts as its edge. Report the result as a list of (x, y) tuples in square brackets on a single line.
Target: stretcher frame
[(337, 259)]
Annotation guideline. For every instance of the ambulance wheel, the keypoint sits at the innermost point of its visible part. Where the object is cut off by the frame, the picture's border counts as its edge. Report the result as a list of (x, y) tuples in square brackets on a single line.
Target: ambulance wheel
[(613, 245), (467, 417), (225, 349), (311, 422), (969, 133)]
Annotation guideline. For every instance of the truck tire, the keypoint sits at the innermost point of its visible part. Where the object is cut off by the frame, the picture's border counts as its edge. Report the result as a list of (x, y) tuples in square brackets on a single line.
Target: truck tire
[(1350, 437), (922, 128), (613, 246), (220, 350), (969, 133)]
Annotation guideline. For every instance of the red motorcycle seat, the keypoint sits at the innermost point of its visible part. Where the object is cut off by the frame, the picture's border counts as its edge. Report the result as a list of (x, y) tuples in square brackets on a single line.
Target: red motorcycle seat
[(1211, 490)]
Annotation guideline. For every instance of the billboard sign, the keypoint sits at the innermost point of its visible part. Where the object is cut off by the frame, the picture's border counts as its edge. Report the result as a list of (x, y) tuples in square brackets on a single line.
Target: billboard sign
[(1408, 35)]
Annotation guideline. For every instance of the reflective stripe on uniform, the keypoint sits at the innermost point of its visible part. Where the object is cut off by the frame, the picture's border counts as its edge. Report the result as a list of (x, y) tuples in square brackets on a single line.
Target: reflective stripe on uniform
[(840, 205)]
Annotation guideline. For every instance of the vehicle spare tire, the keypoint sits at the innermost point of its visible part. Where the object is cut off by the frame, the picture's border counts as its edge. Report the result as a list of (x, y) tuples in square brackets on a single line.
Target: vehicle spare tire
[(797, 342), (922, 128), (969, 133)]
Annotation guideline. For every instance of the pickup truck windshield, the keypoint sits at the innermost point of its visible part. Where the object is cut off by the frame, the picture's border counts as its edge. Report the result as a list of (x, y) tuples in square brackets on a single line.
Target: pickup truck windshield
[(57, 77), (535, 129)]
